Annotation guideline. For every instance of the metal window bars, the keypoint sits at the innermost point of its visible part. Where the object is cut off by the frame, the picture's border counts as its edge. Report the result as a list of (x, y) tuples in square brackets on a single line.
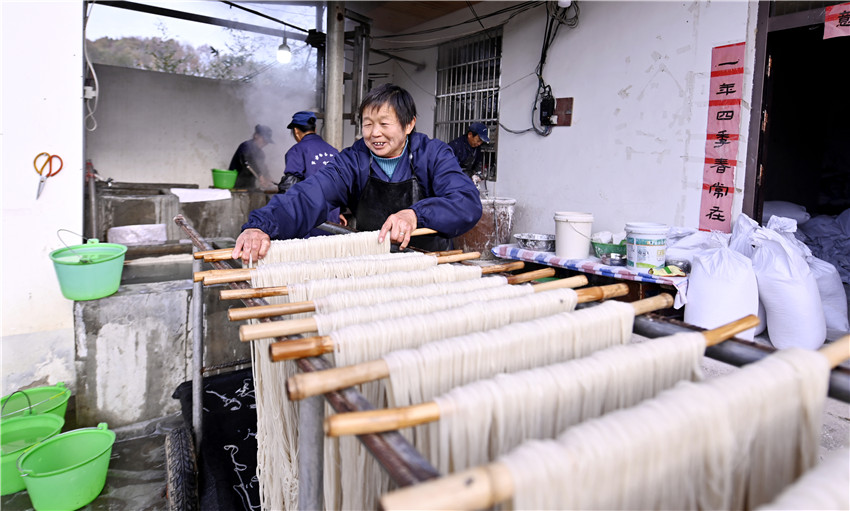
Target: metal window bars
[(468, 77)]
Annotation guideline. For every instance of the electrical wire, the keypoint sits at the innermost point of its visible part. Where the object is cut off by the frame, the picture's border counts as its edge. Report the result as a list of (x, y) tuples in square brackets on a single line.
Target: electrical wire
[(519, 7), (89, 120), (555, 17)]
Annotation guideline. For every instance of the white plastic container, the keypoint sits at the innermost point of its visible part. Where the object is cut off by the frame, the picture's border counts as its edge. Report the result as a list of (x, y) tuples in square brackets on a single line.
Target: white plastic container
[(572, 234), (646, 245)]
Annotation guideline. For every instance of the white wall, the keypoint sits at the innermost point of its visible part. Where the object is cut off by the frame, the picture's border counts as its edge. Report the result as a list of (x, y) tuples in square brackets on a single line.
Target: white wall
[(42, 110), (165, 128), (639, 73)]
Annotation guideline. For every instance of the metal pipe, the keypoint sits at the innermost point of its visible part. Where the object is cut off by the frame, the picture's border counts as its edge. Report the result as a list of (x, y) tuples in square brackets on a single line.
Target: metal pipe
[(335, 66), (197, 356), (171, 13), (735, 352), (311, 441), (92, 204)]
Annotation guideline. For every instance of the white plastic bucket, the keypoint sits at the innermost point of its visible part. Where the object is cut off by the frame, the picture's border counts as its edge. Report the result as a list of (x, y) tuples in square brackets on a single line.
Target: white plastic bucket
[(572, 234), (646, 244)]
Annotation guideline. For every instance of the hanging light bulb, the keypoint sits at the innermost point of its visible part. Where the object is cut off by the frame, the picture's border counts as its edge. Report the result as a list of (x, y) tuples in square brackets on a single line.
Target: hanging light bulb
[(284, 54)]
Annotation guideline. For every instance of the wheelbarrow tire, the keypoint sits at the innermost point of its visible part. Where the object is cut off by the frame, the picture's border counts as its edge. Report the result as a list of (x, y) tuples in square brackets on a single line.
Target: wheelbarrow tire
[(182, 471)]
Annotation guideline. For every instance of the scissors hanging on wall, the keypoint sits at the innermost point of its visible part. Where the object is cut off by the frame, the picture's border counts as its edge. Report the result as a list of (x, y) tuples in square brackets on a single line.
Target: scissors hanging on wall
[(47, 164)]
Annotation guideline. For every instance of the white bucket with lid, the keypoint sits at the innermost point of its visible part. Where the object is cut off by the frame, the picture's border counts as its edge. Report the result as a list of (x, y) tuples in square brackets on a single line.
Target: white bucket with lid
[(646, 244), (572, 234)]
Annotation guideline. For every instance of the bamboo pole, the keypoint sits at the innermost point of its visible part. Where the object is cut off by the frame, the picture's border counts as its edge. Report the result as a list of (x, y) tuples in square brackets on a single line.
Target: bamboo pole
[(292, 351), (301, 386), (244, 274), (485, 486), (262, 292), (269, 311), (223, 254), (289, 327), (837, 351), (390, 419), (531, 275)]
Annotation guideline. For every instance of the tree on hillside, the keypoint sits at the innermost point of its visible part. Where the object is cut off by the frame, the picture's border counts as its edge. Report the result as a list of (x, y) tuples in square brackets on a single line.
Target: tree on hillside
[(233, 62)]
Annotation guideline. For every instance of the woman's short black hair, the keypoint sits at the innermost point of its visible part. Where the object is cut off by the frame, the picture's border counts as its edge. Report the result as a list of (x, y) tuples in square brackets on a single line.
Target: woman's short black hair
[(397, 98)]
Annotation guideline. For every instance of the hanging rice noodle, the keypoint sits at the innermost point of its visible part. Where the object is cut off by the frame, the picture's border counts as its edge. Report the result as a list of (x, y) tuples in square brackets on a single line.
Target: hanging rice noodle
[(728, 443), (326, 247), (485, 419), (419, 375), (284, 274), (277, 417), (361, 479), (465, 292), (826, 486), (389, 293), (322, 291)]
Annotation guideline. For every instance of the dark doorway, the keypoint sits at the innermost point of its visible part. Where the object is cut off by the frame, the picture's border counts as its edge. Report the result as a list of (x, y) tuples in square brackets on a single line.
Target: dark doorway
[(806, 152)]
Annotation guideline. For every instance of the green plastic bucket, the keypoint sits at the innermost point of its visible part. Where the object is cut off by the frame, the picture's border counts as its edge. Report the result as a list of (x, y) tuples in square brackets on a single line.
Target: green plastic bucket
[(90, 271), (67, 471), (35, 401), (16, 436), (224, 178)]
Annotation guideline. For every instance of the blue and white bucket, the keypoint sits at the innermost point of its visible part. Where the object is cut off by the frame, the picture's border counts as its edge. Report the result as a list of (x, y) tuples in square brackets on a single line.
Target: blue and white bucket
[(646, 245)]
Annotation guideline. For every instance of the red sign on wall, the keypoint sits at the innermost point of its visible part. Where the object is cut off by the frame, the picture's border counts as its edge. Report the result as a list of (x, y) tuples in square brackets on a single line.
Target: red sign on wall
[(722, 137), (836, 22)]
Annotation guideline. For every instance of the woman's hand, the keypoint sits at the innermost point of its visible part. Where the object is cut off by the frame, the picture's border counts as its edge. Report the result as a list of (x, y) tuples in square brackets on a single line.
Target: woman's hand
[(399, 225), (251, 246)]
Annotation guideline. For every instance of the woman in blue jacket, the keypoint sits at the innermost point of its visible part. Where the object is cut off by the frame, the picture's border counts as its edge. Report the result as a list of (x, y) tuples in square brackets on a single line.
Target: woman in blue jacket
[(394, 180)]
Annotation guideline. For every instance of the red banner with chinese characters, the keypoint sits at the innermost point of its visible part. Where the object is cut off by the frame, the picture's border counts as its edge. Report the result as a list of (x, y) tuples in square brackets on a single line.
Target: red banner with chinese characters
[(722, 137), (836, 21)]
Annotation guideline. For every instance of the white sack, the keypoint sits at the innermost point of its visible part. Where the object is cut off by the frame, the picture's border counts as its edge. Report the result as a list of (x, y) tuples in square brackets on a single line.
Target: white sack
[(786, 209), (722, 288), (685, 248), (742, 232), (832, 294), (789, 292), (787, 227)]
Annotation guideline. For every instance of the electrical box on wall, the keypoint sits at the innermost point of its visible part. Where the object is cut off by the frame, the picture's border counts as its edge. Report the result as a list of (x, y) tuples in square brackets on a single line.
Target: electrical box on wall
[(563, 112)]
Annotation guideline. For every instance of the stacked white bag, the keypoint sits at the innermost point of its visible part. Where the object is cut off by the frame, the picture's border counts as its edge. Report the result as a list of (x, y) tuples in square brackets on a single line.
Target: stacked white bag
[(722, 287), (789, 292), (831, 290)]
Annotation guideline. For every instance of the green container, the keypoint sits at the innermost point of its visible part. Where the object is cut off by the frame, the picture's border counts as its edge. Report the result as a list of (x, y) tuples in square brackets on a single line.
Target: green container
[(16, 436), (39, 400), (90, 271), (601, 249), (224, 178), (67, 471)]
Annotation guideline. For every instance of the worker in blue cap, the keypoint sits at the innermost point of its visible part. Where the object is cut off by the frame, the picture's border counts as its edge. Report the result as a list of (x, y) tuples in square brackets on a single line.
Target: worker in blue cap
[(467, 149), (394, 180), (309, 155), (250, 160)]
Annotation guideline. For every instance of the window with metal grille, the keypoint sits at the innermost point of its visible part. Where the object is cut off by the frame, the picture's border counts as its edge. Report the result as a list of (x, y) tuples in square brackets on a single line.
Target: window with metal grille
[(468, 75)]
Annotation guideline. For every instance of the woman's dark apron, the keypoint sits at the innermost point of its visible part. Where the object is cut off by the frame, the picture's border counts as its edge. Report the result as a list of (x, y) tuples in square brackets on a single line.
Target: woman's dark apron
[(381, 199)]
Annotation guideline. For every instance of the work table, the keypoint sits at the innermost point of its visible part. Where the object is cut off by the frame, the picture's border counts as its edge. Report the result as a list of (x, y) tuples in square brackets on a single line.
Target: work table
[(593, 265)]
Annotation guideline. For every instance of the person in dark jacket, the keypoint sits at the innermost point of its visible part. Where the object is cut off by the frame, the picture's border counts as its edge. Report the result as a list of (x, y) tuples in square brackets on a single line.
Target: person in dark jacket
[(250, 160), (394, 180), (309, 155), (467, 149)]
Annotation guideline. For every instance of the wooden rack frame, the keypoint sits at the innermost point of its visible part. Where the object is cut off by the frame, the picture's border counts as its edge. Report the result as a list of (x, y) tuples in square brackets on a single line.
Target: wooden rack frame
[(404, 464), (397, 456)]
